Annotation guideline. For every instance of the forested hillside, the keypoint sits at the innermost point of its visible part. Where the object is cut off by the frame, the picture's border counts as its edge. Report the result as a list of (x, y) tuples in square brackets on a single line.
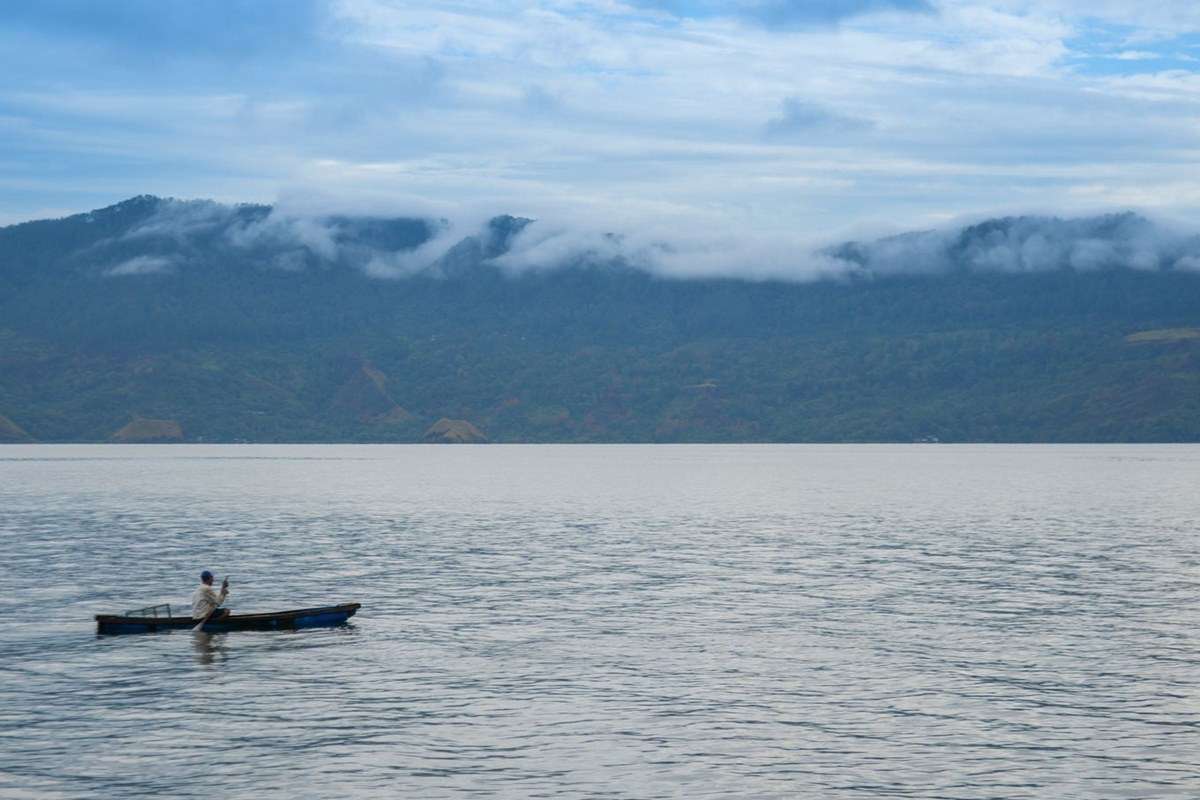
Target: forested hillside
[(164, 321)]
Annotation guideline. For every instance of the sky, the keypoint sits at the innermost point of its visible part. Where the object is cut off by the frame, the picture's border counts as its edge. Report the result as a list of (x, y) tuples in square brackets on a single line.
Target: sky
[(772, 118)]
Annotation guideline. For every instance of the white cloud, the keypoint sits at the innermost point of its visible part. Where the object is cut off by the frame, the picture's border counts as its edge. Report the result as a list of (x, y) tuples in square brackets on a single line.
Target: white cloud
[(402, 264), (142, 265), (1136, 55), (282, 228), (620, 116), (1146, 21), (1178, 87)]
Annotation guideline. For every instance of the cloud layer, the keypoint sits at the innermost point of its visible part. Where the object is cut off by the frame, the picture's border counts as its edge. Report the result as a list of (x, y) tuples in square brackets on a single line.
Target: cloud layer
[(786, 120), (1028, 244), (202, 234)]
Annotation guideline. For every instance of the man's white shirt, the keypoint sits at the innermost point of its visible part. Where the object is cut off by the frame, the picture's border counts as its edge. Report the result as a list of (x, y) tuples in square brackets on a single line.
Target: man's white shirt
[(206, 598)]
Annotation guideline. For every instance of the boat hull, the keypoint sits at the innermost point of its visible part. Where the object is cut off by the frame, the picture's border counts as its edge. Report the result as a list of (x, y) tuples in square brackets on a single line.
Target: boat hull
[(322, 617)]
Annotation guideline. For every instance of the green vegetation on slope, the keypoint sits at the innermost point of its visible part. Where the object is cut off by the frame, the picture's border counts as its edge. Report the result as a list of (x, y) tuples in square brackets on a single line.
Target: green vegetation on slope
[(231, 347)]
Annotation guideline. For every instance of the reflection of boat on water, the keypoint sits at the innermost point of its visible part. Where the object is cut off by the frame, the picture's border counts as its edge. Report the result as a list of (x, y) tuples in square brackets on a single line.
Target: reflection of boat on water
[(322, 617)]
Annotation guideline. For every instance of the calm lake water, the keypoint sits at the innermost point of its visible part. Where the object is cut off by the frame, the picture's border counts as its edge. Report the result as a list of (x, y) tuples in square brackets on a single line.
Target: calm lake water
[(607, 621)]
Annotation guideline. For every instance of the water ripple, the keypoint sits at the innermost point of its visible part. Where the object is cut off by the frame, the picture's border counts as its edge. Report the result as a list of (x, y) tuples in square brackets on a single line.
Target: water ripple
[(569, 622)]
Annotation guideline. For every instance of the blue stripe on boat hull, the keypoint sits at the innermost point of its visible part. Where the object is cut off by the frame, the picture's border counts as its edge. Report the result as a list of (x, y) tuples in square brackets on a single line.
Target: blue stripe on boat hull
[(321, 620), (311, 621)]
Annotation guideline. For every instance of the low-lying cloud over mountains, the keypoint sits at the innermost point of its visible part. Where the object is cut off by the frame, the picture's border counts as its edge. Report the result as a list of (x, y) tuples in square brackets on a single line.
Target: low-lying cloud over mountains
[(147, 236), (1029, 244)]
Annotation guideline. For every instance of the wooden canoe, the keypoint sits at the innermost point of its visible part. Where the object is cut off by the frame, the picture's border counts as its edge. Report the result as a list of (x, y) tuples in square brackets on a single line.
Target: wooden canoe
[(322, 617)]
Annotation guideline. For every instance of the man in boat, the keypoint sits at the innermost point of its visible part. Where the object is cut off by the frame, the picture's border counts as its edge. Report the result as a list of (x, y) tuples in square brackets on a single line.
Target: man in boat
[(206, 601)]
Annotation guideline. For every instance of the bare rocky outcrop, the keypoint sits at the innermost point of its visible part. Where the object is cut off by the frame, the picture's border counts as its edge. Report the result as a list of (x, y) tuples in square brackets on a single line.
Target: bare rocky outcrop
[(12, 432), (397, 416), (364, 396), (1164, 336), (454, 431), (148, 431)]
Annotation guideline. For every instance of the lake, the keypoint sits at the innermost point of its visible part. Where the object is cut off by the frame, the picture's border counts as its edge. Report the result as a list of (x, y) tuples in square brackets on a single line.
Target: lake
[(777, 621)]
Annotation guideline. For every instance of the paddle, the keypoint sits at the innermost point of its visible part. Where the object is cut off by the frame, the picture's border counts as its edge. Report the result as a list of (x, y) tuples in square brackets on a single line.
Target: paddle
[(203, 622)]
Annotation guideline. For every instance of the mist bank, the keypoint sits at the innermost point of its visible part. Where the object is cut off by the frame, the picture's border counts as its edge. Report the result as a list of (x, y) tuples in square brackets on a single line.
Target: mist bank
[(147, 236)]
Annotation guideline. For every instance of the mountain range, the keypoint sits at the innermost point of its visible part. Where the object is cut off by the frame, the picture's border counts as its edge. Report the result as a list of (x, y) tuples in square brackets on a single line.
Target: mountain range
[(165, 320)]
